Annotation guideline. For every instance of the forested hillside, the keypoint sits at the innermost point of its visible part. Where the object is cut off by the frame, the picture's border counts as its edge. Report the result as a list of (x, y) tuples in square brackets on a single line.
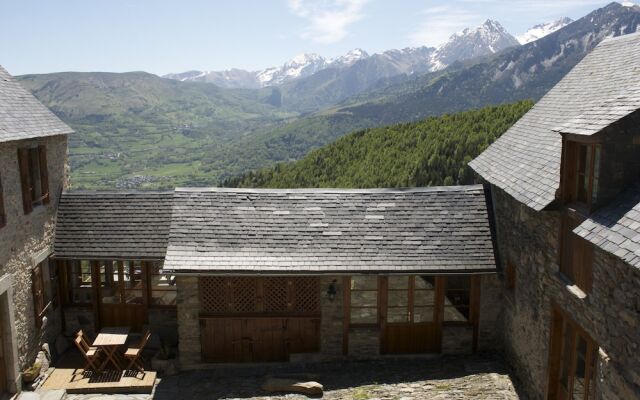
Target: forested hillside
[(431, 152)]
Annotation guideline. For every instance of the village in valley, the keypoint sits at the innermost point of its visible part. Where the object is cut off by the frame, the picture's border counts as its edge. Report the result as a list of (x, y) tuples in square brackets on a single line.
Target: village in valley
[(451, 222)]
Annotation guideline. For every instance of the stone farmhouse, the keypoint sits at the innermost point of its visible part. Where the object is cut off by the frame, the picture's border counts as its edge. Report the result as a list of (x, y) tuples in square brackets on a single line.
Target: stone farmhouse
[(33, 174), (541, 264), (564, 182)]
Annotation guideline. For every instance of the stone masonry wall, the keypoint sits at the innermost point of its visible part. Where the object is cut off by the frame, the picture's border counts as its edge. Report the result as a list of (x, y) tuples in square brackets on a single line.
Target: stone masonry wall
[(331, 318), (188, 310), (491, 304), (609, 314), (26, 236)]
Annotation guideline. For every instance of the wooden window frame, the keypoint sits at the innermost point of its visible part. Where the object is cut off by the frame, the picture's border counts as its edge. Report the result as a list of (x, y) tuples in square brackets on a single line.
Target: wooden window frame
[(27, 157), (572, 171), (576, 253), (3, 215), (147, 268), (474, 301), (348, 291), (561, 321)]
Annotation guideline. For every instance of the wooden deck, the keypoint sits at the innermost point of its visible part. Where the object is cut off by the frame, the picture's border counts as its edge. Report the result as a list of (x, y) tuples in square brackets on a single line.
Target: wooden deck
[(109, 382), (70, 376)]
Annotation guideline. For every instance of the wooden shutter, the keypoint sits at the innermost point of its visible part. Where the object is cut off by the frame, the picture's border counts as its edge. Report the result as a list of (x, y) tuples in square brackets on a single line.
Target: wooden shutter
[(44, 173), (25, 180), (3, 216), (38, 293)]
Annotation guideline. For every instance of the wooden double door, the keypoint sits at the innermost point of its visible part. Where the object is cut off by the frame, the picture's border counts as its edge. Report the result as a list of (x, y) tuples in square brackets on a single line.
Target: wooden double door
[(410, 316), (258, 339), (258, 319)]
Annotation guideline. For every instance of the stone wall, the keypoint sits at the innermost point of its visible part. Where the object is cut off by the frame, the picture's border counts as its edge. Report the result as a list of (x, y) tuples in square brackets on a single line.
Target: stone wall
[(26, 236), (332, 315), (609, 314), (188, 311), (457, 339), (491, 304)]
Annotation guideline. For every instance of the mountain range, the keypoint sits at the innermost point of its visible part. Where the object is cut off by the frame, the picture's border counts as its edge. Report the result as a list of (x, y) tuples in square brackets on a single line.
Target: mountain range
[(141, 130), (488, 38)]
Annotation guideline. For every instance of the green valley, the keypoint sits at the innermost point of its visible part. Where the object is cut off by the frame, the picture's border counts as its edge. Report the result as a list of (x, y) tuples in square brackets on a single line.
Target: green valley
[(431, 152)]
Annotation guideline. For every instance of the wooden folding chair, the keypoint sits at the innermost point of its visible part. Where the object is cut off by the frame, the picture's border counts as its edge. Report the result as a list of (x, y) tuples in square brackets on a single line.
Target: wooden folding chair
[(91, 354), (134, 353)]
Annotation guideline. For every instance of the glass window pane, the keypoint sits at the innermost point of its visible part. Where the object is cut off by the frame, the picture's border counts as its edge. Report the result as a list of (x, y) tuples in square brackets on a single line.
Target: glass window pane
[(457, 298), (456, 314), (579, 370), (425, 282), (397, 314), (364, 283), (163, 287), (80, 282), (132, 279), (398, 298), (423, 314), (364, 315), (363, 298), (109, 282), (398, 282)]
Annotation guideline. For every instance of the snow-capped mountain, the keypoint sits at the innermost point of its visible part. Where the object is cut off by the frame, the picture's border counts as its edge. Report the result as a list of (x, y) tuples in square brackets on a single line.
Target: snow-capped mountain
[(485, 39), (541, 30)]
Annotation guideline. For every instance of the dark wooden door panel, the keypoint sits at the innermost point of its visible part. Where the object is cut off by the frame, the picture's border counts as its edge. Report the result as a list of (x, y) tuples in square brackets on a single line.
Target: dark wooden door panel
[(257, 339), (131, 315), (409, 338)]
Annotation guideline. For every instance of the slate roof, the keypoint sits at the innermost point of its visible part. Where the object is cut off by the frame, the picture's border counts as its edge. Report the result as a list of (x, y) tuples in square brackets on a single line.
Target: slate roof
[(113, 225), (525, 161), (22, 116), (600, 116), (440, 229), (616, 227)]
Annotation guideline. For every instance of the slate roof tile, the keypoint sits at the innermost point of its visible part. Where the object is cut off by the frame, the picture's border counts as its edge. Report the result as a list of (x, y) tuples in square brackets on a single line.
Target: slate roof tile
[(443, 229), (126, 225), (525, 160), (22, 116), (614, 228)]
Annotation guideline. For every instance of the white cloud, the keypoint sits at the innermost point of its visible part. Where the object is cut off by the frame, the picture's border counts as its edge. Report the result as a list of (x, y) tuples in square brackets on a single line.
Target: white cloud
[(439, 23), (329, 20)]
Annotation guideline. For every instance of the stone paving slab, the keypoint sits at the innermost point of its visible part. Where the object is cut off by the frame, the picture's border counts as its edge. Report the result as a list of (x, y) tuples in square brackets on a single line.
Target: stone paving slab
[(403, 379)]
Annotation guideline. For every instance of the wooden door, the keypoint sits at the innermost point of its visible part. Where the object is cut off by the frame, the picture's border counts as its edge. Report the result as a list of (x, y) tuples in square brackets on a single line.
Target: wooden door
[(3, 366), (409, 315), (121, 294), (572, 360), (250, 319)]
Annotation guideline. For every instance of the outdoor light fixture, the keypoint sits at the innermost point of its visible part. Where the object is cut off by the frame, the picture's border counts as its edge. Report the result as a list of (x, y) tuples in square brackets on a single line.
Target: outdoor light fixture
[(332, 291)]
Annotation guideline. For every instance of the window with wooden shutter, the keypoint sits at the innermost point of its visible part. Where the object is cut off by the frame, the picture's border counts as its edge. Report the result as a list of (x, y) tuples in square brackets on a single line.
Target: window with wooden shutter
[(34, 177), (510, 276), (3, 215), (576, 263)]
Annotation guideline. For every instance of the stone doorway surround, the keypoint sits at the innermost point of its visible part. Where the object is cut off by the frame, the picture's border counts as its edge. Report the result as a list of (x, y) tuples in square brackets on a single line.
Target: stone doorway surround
[(9, 334)]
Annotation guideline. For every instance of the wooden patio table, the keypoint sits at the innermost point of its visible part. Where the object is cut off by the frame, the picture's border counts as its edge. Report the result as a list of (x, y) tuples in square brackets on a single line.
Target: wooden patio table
[(109, 339)]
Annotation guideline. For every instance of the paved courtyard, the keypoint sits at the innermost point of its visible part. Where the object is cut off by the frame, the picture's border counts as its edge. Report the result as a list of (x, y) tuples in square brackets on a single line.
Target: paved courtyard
[(404, 379)]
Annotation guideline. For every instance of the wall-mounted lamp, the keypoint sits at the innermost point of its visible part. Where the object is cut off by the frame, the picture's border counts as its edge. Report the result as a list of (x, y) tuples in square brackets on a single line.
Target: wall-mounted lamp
[(332, 291)]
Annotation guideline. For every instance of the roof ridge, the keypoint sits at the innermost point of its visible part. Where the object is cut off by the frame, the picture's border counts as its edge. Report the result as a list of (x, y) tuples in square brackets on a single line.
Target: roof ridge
[(215, 189)]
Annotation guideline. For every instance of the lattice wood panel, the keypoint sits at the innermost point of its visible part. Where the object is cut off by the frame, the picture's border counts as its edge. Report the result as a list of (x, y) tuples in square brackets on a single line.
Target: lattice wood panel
[(213, 297), (244, 295), (276, 294), (307, 294)]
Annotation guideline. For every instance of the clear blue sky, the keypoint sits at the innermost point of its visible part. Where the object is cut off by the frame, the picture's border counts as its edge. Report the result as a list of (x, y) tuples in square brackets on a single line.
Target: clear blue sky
[(162, 36)]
